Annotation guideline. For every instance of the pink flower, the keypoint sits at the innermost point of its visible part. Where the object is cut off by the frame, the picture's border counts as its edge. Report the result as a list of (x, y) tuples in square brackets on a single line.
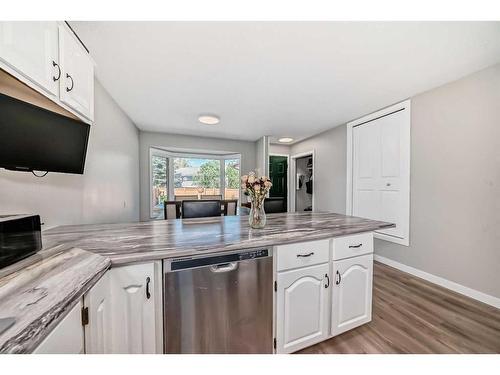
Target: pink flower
[(256, 187), (251, 179), (268, 184), (244, 178)]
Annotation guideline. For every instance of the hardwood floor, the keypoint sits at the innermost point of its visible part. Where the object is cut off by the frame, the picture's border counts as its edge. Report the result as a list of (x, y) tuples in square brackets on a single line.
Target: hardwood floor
[(411, 315)]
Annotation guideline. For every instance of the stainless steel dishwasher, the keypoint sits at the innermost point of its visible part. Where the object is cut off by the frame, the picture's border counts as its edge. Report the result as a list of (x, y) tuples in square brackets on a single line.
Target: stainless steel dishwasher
[(221, 303)]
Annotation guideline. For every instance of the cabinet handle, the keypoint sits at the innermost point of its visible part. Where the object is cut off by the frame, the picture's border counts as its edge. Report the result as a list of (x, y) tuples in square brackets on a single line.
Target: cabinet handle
[(58, 71), (328, 280), (355, 246), (338, 278), (148, 293), (72, 83), (305, 255)]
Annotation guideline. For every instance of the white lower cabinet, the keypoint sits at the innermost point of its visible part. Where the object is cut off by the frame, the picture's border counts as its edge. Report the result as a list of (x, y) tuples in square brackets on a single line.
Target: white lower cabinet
[(302, 307), (66, 337), (136, 308), (97, 302), (351, 293)]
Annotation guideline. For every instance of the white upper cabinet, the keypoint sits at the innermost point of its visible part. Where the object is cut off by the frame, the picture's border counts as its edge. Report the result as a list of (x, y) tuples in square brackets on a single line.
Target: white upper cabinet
[(378, 168), (31, 48), (351, 293), (97, 301), (136, 308), (49, 58), (77, 80), (302, 308)]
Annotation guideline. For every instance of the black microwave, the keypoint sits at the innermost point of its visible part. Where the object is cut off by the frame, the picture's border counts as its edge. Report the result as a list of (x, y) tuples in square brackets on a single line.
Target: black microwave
[(20, 237)]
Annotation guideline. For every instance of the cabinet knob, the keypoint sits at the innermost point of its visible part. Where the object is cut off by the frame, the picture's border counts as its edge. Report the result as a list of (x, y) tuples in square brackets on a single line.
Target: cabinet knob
[(54, 64), (388, 184), (148, 293), (68, 89)]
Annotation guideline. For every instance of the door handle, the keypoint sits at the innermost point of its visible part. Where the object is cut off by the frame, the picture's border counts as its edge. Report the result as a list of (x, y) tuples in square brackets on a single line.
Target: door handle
[(355, 246), (148, 293), (224, 267), (58, 70), (338, 278), (328, 280), (68, 89), (305, 255)]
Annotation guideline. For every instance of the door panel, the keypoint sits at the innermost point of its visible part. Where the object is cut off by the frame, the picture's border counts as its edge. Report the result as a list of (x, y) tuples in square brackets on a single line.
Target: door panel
[(134, 325), (380, 172), (302, 308), (278, 173), (77, 80), (351, 293), (97, 331), (31, 48)]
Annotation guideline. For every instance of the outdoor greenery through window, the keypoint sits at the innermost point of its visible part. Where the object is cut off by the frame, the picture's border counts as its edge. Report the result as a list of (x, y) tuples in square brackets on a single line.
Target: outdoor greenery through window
[(176, 177)]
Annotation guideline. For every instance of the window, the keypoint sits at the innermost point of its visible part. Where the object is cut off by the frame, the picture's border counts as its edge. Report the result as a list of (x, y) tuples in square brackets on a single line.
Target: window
[(176, 175), (196, 177), (159, 185), (232, 179)]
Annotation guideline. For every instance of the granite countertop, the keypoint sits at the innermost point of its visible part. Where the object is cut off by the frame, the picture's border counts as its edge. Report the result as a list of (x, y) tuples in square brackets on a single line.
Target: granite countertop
[(154, 240), (39, 296), (40, 290)]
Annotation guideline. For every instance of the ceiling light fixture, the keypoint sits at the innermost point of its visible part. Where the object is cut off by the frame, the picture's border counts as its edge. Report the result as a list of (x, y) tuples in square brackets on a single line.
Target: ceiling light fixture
[(285, 140), (209, 119)]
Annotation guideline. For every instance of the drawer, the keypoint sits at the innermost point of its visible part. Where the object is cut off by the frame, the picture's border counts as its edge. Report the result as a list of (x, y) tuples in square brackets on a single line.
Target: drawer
[(351, 246), (302, 254)]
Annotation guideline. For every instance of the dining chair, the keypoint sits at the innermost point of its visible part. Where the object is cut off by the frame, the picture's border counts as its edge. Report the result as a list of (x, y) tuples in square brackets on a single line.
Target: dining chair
[(230, 207), (274, 205), (181, 198), (172, 210), (200, 208), (211, 197)]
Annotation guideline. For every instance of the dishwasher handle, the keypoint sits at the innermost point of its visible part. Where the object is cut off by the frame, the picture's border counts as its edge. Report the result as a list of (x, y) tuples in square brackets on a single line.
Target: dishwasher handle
[(224, 267)]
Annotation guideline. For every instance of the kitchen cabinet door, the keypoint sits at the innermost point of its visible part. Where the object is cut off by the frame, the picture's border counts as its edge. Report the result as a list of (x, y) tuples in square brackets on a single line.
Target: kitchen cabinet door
[(98, 329), (351, 293), (66, 337), (77, 80), (302, 308), (136, 308), (31, 50)]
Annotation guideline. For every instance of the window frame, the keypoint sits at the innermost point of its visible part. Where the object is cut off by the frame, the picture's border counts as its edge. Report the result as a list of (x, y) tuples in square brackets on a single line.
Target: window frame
[(156, 151)]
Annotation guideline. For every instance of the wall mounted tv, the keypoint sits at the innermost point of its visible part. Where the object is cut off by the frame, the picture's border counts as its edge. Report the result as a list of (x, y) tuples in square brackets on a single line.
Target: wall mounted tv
[(35, 139)]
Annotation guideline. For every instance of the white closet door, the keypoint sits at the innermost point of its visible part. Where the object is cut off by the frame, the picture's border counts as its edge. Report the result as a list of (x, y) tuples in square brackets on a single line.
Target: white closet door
[(380, 171)]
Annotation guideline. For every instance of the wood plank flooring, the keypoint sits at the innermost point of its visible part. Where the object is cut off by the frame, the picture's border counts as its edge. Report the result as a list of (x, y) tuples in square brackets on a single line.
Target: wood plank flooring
[(411, 315)]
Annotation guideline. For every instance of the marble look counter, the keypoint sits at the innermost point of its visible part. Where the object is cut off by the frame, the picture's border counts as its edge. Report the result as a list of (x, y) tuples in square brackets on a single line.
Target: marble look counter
[(153, 240), (38, 296)]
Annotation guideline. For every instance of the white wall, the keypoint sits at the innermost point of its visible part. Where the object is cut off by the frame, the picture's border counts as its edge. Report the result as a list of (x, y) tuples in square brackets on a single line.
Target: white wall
[(279, 149), (247, 149), (262, 156), (455, 182), (107, 192)]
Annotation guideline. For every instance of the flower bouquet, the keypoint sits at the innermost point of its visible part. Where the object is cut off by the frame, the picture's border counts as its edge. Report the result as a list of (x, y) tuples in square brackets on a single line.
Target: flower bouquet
[(256, 188)]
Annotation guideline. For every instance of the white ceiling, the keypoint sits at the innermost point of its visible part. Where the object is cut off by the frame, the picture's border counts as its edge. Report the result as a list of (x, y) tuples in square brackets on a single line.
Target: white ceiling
[(277, 78)]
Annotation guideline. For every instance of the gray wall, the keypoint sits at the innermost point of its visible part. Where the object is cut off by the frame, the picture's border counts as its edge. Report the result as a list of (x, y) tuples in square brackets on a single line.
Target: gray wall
[(455, 181), (279, 149), (107, 192), (329, 168), (247, 149)]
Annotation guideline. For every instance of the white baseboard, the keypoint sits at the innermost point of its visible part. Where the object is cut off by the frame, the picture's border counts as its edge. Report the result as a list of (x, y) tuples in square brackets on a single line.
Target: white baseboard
[(466, 291)]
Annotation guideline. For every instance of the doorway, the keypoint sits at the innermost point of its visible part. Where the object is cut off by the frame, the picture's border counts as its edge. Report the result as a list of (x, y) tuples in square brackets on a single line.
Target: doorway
[(303, 187), (278, 173)]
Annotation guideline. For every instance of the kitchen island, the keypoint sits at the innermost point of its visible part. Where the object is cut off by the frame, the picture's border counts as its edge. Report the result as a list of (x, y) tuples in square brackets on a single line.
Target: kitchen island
[(135, 251)]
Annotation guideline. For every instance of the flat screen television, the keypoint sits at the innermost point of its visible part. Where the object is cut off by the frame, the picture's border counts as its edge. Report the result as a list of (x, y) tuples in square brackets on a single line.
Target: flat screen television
[(35, 139)]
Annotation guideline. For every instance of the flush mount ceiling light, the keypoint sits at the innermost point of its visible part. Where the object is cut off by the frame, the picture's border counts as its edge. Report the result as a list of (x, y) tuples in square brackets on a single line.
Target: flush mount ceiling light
[(285, 140), (209, 119)]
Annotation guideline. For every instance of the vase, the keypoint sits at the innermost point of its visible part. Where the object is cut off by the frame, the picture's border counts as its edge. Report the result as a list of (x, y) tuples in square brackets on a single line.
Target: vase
[(257, 217)]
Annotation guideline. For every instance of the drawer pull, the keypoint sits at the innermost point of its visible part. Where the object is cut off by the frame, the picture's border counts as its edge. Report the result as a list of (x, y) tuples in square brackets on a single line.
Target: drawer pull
[(148, 293), (338, 278), (328, 280), (305, 255), (355, 246)]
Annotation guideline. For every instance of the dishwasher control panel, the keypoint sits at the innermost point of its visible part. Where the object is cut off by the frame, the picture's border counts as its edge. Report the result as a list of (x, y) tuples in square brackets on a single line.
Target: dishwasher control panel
[(253, 254), (186, 263)]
